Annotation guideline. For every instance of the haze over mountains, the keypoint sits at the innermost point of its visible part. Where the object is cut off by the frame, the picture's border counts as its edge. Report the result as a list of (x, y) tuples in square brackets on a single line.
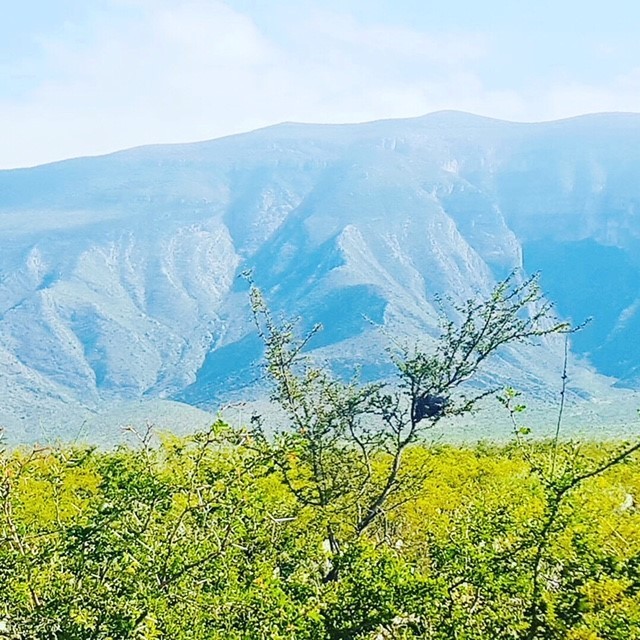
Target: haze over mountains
[(119, 274)]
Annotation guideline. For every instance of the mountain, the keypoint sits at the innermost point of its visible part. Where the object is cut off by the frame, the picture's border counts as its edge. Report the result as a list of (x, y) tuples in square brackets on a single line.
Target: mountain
[(119, 274)]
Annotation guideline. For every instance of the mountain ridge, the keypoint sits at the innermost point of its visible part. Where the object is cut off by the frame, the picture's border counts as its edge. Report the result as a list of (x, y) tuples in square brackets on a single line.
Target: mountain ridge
[(307, 125), (118, 273)]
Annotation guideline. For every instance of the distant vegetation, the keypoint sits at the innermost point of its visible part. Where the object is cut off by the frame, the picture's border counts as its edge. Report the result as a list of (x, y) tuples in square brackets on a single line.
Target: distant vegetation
[(346, 523)]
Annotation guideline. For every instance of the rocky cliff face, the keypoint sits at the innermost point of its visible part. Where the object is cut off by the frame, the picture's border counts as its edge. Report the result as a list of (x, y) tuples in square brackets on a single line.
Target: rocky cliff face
[(119, 274)]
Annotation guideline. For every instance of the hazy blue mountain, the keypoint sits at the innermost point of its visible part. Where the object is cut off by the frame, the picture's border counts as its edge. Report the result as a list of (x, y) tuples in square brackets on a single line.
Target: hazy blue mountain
[(119, 274)]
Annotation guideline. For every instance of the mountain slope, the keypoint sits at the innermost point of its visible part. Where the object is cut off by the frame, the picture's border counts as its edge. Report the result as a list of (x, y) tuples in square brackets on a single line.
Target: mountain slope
[(118, 274)]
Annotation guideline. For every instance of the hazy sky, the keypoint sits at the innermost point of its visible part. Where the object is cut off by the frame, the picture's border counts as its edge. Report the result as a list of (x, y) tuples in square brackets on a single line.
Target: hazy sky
[(82, 77)]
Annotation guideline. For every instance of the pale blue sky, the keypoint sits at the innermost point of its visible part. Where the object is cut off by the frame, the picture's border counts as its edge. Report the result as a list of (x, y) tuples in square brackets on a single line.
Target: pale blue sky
[(82, 77)]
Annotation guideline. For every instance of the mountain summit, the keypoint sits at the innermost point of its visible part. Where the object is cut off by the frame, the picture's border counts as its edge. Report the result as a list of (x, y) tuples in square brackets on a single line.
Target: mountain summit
[(119, 274)]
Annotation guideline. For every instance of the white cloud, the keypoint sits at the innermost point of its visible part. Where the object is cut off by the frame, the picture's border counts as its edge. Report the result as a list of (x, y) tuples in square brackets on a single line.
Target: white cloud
[(146, 71), (401, 43), (181, 71), (621, 94)]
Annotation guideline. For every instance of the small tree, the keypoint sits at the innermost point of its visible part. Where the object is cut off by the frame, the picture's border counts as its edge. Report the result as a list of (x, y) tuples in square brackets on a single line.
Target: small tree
[(342, 449)]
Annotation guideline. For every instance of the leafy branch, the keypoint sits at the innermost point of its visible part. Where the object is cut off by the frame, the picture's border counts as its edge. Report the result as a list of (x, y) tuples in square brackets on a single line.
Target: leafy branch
[(342, 450)]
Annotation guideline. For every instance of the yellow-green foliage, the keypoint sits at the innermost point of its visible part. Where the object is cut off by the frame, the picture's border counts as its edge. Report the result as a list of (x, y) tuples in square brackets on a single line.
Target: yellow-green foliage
[(201, 537)]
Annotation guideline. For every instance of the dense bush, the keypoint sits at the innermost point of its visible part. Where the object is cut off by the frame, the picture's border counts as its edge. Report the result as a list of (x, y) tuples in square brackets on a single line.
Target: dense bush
[(202, 538)]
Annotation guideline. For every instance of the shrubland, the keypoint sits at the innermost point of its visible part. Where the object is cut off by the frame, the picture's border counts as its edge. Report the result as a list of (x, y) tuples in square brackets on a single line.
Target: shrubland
[(201, 537), (346, 522)]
